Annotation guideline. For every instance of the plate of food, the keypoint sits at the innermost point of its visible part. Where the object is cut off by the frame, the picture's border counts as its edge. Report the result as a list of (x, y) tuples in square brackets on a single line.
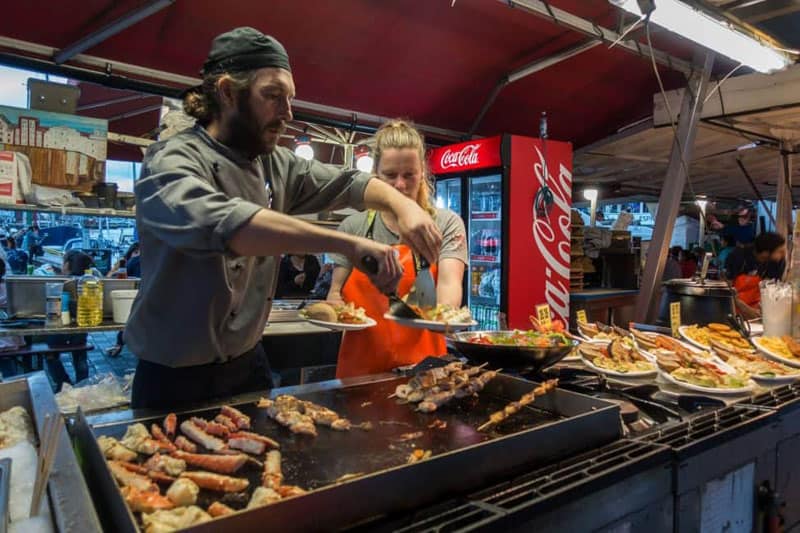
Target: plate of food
[(597, 331), (692, 372), (617, 359), (441, 318), (701, 336), (781, 349), (345, 317), (762, 370)]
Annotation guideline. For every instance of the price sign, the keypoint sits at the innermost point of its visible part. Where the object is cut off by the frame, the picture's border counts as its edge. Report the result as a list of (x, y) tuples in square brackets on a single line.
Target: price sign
[(582, 316), (543, 315), (675, 317)]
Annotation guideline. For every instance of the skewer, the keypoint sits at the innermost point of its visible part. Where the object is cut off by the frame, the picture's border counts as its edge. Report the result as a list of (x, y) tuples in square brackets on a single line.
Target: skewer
[(514, 407), (51, 429)]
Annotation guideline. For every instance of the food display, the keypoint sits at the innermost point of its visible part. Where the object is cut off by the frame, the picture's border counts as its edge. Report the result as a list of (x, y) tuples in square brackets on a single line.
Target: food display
[(300, 416), (617, 357), (782, 349), (699, 372), (342, 314), (444, 313), (177, 475), (515, 407), (702, 336), (435, 387), (597, 331), (529, 339), (754, 365)]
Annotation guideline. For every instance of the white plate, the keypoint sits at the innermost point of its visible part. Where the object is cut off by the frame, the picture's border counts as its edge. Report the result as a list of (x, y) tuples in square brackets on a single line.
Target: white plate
[(643, 374), (695, 344), (341, 326), (776, 381), (430, 325), (705, 390), (775, 357)]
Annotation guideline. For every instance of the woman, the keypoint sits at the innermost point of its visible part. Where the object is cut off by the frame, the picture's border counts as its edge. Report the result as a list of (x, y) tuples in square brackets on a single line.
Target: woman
[(75, 264), (747, 266), (297, 276), (125, 262), (400, 162)]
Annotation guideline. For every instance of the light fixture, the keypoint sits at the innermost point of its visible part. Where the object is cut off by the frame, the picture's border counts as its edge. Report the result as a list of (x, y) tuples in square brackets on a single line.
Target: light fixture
[(702, 202), (364, 161), (717, 35), (303, 147), (591, 194)]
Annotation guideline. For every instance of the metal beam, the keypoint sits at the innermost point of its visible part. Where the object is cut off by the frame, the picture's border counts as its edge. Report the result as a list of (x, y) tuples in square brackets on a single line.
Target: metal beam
[(135, 112), (587, 27), (109, 30), (755, 190), (527, 70), (113, 101), (672, 192), (783, 216)]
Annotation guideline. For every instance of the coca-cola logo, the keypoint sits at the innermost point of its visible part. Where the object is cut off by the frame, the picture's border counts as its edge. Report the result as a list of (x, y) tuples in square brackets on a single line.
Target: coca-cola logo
[(467, 156), (557, 258)]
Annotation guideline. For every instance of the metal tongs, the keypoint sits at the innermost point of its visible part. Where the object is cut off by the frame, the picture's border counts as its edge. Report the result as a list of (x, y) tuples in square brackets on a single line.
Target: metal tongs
[(397, 307)]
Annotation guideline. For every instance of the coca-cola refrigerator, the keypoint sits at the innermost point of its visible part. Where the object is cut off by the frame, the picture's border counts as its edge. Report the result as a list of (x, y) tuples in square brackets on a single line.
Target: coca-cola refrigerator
[(515, 195)]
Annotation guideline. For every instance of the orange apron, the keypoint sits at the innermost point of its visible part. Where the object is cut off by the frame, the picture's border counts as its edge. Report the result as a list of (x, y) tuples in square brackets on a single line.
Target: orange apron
[(747, 289), (386, 345)]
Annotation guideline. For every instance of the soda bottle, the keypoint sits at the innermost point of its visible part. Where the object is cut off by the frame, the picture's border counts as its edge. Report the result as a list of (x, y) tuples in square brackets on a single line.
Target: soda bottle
[(90, 301)]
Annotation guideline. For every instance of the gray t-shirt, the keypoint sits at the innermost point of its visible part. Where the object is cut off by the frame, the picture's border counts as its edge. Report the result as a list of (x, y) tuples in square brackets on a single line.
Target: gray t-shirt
[(198, 302), (454, 236)]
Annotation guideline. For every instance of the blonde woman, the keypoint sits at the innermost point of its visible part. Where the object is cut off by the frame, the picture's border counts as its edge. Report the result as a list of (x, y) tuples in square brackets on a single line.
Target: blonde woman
[(399, 162)]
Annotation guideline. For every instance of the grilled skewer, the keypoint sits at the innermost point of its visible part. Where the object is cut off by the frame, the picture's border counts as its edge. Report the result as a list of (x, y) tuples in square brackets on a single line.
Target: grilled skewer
[(514, 407)]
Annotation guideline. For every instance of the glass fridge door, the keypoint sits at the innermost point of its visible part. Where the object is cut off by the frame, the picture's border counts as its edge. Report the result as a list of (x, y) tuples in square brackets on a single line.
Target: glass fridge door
[(448, 195), (485, 230)]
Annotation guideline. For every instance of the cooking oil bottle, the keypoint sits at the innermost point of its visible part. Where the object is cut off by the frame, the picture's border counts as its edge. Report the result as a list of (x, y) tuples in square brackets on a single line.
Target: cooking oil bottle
[(90, 300)]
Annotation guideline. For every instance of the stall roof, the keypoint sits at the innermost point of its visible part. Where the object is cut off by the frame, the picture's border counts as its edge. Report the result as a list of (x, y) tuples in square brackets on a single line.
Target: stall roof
[(434, 61)]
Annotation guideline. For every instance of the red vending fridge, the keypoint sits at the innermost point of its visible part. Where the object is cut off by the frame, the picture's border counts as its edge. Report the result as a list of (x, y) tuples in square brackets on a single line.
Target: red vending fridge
[(518, 223)]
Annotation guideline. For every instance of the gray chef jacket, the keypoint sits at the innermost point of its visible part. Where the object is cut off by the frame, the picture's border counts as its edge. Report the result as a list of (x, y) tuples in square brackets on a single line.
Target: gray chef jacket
[(198, 301)]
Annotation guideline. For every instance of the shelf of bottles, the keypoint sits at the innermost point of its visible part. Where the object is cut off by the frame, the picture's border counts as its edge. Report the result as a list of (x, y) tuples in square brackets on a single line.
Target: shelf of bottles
[(485, 227)]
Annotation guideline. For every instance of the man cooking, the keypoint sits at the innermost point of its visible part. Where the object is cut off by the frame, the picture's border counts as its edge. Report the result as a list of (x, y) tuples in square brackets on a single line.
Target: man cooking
[(210, 207)]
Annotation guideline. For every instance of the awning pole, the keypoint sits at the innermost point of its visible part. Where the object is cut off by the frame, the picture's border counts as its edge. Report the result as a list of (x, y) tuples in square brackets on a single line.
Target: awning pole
[(784, 199), (670, 199)]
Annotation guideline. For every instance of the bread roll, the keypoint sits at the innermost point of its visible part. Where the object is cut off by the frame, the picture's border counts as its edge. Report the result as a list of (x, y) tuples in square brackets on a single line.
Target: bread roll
[(321, 311)]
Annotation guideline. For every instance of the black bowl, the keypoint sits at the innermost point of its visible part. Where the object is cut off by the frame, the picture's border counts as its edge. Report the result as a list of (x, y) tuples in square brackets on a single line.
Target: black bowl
[(508, 357)]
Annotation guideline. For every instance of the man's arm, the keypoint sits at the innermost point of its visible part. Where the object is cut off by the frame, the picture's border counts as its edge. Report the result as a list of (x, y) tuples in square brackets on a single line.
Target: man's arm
[(338, 279)]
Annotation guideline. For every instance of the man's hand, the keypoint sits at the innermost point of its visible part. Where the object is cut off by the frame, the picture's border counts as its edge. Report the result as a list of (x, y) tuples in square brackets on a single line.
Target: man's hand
[(300, 279), (389, 270), (418, 230)]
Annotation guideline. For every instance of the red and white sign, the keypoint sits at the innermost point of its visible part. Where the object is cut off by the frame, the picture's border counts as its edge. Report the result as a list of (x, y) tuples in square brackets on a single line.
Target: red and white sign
[(470, 155), (539, 240)]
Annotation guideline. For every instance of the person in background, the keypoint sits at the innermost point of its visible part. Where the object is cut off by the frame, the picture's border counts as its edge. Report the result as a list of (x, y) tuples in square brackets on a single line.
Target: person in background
[(400, 162), (748, 265), (323, 284), (134, 265), (297, 276), (124, 262), (672, 269), (742, 229), (32, 242), (688, 262), (727, 245), (76, 263), (17, 259)]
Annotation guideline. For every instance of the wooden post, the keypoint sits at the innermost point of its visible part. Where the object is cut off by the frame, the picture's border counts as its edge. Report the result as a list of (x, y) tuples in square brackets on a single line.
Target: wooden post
[(783, 203), (670, 199)]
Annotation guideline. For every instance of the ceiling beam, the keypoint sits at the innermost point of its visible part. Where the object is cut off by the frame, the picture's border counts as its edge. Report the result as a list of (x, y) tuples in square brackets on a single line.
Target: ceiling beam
[(113, 101), (527, 70), (109, 30), (587, 27)]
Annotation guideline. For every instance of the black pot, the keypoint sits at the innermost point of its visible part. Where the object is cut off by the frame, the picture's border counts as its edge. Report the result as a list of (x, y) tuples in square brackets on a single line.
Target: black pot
[(701, 302)]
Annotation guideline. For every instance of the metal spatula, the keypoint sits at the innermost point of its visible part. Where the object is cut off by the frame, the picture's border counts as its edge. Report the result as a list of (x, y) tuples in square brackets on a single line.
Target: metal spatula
[(423, 292), (397, 307)]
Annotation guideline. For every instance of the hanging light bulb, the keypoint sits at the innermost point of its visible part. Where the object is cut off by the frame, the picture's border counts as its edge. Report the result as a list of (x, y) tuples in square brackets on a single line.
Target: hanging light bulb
[(364, 161), (303, 147)]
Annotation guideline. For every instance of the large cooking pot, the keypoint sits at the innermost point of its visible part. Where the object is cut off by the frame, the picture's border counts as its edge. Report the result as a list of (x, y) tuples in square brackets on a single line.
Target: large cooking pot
[(702, 302)]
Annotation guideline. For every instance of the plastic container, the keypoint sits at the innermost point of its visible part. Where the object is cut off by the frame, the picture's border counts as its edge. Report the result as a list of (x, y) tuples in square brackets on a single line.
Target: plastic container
[(122, 301), (90, 301), (53, 304)]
